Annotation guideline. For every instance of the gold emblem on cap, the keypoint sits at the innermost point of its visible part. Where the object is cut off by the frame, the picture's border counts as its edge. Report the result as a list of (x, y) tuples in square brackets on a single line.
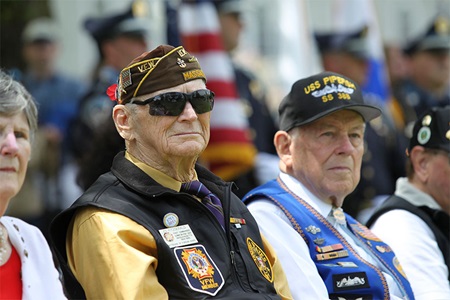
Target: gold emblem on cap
[(181, 63), (182, 52), (146, 66), (139, 8), (442, 26), (426, 121)]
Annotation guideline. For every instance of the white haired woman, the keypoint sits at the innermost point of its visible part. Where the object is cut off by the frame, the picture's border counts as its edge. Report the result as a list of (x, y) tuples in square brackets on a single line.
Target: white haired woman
[(27, 270)]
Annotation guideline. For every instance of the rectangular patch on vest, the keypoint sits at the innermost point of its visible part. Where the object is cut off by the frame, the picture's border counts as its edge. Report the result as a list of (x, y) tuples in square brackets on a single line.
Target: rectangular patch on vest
[(332, 255), (350, 297), (350, 281)]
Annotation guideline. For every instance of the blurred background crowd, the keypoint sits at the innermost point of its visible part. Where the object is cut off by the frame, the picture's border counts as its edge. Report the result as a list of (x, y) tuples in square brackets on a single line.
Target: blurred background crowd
[(67, 52)]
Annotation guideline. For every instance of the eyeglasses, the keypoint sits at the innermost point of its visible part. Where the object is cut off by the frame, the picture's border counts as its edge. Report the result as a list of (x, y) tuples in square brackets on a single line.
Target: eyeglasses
[(173, 103)]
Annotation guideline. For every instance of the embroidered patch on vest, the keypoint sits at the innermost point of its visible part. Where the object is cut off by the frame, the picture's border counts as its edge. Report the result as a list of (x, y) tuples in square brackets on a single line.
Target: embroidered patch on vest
[(329, 248), (332, 255), (383, 248), (350, 281), (260, 259), (364, 232), (199, 269), (350, 297)]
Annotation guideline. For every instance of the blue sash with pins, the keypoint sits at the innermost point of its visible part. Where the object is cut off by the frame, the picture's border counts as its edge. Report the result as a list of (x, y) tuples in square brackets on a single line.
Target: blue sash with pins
[(345, 274)]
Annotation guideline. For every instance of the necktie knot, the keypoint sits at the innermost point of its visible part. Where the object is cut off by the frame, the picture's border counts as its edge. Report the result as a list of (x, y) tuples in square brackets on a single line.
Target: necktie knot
[(211, 201), (196, 188)]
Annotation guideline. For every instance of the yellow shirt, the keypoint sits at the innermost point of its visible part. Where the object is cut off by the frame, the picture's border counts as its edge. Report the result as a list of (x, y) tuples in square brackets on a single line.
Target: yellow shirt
[(114, 257)]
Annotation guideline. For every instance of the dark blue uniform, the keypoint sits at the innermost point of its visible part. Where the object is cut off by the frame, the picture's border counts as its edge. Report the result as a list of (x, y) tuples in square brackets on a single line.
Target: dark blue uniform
[(261, 123)]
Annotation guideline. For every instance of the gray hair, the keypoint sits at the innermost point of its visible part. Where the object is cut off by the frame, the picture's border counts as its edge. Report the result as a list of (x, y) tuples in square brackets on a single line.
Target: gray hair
[(14, 98)]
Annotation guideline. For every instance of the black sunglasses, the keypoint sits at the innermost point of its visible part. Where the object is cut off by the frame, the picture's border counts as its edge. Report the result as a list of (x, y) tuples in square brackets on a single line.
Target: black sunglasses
[(173, 103)]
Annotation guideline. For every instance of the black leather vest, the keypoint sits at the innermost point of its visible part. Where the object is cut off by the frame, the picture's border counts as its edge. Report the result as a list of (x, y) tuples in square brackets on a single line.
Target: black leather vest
[(228, 264), (437, 220)]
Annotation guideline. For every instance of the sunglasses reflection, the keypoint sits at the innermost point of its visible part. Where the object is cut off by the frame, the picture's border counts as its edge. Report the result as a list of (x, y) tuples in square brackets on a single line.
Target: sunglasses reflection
[(173, 103)]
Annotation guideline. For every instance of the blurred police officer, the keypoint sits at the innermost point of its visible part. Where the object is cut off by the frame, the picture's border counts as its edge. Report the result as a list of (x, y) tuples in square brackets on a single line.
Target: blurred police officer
[(428, 84), (252, 96), (119, 38), (347, 53)]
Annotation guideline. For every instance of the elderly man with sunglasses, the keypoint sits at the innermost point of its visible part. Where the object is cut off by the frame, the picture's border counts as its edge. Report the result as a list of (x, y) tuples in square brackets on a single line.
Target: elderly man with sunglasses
[(159, 225)]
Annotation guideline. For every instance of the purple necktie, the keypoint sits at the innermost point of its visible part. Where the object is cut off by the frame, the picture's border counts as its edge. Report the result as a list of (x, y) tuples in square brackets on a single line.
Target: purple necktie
[(211, 201)]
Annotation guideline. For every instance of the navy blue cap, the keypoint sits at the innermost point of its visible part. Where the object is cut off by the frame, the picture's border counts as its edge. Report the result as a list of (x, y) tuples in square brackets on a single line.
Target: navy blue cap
[(353, 42), (432, 129), (437, 37), (127, 23), (319, 95)]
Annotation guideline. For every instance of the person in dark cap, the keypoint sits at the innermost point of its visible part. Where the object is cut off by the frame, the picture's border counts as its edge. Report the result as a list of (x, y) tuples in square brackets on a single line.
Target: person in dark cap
[(119, 38), (326, 254), (415, 221), (348, 53), (159, 225), (252, 96), (428, 81)]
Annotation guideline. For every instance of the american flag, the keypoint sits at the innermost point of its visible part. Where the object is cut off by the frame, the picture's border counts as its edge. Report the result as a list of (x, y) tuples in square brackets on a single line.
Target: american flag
[(230, 151)]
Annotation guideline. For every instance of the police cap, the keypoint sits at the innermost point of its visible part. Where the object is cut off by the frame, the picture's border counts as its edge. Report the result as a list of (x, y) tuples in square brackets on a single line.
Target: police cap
[(352, 42), (128, 23), (437, 37)]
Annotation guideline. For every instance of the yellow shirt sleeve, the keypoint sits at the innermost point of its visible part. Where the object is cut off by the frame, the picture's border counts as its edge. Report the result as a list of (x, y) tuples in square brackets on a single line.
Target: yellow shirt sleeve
[(280, 282), (112, 256)]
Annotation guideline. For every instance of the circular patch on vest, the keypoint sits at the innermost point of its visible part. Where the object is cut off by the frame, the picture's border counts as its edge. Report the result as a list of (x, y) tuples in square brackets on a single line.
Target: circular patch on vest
[(170, 220), (260, 259)]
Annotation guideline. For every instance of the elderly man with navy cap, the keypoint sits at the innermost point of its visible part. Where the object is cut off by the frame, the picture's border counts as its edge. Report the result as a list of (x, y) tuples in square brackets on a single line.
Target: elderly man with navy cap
[(325, 253), (415, 220), (349, 53)]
